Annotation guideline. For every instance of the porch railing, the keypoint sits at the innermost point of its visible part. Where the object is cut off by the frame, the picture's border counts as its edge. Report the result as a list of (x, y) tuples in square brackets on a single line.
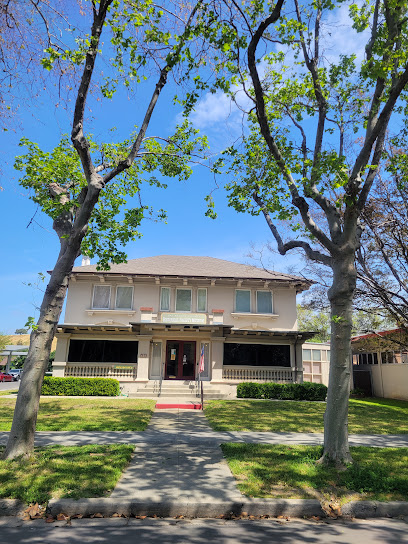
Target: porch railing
[(101, 370), (257, 373)]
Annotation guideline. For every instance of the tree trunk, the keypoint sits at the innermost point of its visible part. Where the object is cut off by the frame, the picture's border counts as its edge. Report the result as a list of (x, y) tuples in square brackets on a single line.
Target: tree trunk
[(21, 439), (336, 447)]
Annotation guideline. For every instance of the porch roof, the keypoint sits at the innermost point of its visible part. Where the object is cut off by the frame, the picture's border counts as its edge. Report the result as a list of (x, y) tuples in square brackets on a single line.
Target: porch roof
[(225, 330), (78, 327), (299, 335)]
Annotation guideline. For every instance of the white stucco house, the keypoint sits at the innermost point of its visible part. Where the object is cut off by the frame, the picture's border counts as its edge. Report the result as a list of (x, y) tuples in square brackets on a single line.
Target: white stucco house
[(146, 322)]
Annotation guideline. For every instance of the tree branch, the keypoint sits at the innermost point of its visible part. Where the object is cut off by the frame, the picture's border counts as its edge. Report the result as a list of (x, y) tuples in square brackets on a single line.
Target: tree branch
[(283, 248)]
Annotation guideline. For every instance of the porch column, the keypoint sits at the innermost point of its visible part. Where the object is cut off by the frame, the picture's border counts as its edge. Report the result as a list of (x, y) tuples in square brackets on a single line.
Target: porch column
[(217, 358), (298, 362), (61, 355), (143, 358)]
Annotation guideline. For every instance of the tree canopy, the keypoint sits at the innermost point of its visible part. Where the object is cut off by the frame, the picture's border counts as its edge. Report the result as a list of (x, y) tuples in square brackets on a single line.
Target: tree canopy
[(318, 118)]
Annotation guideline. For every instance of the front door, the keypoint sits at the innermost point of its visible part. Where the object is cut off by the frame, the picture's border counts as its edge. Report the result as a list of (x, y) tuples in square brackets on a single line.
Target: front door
[(180, 360)]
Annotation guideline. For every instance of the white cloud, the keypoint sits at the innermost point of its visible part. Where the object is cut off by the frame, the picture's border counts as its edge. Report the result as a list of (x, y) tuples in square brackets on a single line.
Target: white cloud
[(213, 109)]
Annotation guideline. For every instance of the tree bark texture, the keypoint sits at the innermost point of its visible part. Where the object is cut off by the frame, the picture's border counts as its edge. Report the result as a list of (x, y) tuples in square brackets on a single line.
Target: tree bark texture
[(336, 447), (21, 439)]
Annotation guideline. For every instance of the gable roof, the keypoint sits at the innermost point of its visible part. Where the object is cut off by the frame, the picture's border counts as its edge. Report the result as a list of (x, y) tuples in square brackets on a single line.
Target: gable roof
[(190, 266)]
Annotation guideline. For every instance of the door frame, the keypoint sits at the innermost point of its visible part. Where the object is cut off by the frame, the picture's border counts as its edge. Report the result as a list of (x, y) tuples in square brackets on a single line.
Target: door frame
[(180, 362)]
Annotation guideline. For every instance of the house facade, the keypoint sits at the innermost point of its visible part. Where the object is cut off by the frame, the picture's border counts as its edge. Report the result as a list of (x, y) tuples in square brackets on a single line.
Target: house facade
[(149, 321)]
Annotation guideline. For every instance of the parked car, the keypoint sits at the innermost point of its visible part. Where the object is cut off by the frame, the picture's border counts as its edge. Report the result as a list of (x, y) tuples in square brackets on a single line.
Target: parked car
[(16, 373), (4, 377)]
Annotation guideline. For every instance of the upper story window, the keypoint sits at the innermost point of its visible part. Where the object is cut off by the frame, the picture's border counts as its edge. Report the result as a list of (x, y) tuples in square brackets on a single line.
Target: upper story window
[(183, 300), (124, 297), (242, 300), (101, 297), (264, 302), (201, 300), (165, 299)]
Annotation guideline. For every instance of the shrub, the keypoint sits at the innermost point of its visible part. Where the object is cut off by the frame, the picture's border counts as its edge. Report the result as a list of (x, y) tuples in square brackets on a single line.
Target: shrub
[(282, 391), (249, 390), (81, 387)]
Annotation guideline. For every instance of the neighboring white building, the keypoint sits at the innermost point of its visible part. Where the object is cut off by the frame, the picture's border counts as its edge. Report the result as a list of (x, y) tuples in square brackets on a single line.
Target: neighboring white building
[(147, 321), (380, 360)]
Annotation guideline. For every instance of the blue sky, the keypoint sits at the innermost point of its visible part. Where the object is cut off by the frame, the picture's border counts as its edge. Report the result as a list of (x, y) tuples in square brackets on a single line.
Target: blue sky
[(28, 250)]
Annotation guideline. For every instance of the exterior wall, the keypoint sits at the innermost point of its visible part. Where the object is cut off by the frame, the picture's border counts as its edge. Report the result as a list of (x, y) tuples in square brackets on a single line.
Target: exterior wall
[(389, 380), (147, 295), (316, 366)]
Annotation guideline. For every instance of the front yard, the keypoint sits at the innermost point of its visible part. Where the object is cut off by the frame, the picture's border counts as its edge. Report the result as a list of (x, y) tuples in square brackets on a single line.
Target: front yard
[(58, 471), (84, 414), (277, 471), (366, 416)]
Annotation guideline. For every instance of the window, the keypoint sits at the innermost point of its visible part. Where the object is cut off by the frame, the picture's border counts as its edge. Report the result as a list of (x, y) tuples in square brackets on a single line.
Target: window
[(102, 351), (242, 300), (264, 302), (257, 355), (183, 300), (201, 300), (101, 297), (124, 297), (317, 355), (165, 299)]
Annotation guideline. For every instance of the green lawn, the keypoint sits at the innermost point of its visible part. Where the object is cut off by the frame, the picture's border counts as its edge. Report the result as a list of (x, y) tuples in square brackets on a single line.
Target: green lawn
[(83, 414), (273, 471), (71, 472), (8, 392), (367, 416)]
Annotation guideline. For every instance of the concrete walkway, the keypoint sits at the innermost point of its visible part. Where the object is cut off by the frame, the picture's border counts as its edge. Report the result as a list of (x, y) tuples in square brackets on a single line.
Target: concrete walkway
[(179, 470), (190, 427)]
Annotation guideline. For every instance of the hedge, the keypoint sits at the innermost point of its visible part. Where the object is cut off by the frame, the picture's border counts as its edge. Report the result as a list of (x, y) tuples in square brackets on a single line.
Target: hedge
[(283, 391), (80, 387)]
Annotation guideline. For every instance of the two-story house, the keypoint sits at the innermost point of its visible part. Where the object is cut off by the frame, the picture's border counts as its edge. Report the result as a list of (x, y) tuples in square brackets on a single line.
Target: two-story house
[(149, 321)]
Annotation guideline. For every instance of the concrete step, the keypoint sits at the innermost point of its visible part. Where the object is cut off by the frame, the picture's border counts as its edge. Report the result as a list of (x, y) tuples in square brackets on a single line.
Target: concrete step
[(170, 395)]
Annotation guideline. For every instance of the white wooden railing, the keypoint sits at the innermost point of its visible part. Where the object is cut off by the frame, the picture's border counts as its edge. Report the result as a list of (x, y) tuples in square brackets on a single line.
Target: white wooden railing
[(102, 370), (257, 373)]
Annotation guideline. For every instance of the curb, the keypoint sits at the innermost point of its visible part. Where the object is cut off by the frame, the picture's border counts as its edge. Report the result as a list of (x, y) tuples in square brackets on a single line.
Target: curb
[(106, 507), (11, 507)]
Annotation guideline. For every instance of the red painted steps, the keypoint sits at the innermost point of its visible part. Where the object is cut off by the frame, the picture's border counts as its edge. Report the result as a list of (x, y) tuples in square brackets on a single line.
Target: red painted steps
[(181, 405)]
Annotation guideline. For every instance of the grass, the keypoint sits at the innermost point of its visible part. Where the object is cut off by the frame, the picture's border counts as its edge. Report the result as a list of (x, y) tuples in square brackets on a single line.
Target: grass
[(273, 471), (82, 414), (71, 472), (367, 416), (8, 392)]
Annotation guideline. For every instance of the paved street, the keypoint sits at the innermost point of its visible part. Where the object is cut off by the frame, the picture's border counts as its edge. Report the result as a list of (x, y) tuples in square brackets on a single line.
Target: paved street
[(9, 386), (172, 531)]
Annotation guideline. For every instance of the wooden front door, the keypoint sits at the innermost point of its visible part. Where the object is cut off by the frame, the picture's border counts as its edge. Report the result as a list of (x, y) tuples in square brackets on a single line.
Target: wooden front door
[(180, 360)]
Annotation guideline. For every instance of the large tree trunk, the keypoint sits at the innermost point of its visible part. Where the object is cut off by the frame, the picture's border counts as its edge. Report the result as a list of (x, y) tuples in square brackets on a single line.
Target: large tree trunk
[(21, 439), (336, 447)]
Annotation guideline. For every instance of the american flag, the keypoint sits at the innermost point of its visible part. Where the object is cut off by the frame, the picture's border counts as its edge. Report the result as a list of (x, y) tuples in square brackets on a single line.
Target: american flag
[(201, 363)]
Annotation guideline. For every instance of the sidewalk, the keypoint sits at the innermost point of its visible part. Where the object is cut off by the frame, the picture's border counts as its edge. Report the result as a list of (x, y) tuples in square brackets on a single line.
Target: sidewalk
[(183, 469)]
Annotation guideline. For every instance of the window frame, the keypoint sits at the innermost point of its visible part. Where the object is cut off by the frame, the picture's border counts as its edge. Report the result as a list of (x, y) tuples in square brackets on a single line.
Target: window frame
[(256, 299), (93, 297), (250, 301), (191, 299), (160, 301), (206, 299), (116, 297)]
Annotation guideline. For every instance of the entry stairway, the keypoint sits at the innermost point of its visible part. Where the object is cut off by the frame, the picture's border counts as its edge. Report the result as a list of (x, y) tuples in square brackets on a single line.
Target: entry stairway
[(180, 390)]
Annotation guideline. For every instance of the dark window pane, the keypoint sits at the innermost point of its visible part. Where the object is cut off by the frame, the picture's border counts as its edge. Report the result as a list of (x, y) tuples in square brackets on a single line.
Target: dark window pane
[(256, 355), (375, 357), (102, 351)]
